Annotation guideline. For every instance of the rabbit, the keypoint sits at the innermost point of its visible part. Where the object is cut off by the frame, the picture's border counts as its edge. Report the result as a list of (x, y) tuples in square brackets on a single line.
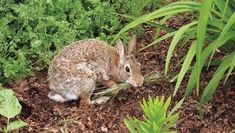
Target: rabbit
[(81, 66)]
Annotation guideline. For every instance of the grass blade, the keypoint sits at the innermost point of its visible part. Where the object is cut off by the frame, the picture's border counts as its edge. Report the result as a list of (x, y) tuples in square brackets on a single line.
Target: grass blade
[(171, 9), (185, 66), (153, 24), (177, 106), (212, 85), (205, 54), (175, 41), (230, 22), (158, 40), (230, 69), (201, 32)]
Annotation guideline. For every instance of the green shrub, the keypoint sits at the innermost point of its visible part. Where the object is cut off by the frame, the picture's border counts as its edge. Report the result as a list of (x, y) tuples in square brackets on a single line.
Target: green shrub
[(156, 118), (9, 108), (32, 31), (214, 25)]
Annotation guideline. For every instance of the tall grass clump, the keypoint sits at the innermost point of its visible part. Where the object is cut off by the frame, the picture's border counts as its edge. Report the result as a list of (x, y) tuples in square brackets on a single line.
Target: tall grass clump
[(213, 30)]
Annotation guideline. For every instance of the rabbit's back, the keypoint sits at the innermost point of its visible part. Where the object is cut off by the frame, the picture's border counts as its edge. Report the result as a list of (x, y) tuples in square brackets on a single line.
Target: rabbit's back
[(78, 62)]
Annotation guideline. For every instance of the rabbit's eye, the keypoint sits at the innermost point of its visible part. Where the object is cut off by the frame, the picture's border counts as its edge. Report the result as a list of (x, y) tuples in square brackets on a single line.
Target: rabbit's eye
[(127, 69)]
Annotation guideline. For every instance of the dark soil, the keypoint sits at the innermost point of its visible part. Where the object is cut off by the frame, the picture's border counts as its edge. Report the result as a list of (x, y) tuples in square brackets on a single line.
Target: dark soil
[(44, 115)]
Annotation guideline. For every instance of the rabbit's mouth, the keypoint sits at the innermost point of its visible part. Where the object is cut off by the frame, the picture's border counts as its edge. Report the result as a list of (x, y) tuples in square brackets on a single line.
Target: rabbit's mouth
[(136, 84)]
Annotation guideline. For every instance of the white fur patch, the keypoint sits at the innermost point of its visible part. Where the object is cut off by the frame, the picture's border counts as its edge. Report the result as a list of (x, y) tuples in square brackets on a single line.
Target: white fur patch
[(56, 97), (70, 96)]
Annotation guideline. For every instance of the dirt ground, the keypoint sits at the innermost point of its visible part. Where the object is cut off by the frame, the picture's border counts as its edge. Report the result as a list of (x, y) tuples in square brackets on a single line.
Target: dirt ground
[(44, 115)]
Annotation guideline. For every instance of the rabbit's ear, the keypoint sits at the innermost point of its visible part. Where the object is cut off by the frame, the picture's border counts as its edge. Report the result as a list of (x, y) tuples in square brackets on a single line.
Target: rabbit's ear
[(120, 50), (132, 45)]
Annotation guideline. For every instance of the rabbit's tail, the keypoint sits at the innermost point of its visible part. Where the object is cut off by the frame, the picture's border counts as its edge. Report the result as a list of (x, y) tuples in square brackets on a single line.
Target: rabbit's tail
[(56, 97)]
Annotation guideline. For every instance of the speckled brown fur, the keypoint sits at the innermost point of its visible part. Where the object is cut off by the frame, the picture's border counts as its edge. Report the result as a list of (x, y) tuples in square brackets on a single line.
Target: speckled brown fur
[(79, 67)]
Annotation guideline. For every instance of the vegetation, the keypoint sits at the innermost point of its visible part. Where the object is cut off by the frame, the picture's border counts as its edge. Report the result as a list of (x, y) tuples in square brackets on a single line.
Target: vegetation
[(156, 118), (32, 32), (9, 108), (29, 38), (214, 25)]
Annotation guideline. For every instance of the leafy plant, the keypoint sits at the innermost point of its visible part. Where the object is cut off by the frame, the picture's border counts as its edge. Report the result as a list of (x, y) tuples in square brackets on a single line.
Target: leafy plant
[(156, 118), (32, 31), (214, 25), (9, 108)]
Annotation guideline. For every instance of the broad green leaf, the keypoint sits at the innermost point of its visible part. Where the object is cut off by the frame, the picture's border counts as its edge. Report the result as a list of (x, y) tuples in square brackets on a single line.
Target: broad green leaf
[(185, 66), (15, 125), (174, 42), (9, 104)]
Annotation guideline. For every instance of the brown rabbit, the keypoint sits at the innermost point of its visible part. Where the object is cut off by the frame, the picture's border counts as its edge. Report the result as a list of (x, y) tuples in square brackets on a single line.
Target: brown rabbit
[(79, 67)]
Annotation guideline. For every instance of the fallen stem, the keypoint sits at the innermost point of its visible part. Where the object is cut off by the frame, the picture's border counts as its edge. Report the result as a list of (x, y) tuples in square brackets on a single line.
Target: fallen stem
[(154, 77)]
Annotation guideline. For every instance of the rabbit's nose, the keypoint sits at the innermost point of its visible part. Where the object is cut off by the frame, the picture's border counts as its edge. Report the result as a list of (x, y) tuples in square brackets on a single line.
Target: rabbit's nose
[(140, 82)]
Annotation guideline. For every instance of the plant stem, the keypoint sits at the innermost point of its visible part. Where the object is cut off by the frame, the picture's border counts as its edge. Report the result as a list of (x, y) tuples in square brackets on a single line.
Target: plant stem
[(8, 122), (154, 77)]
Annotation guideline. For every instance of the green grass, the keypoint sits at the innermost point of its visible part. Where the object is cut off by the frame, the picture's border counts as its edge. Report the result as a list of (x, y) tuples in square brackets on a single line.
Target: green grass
[(214, 24)]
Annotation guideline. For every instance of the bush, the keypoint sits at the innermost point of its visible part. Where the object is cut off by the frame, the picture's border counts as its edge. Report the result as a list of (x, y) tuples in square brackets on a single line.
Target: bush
[(32, 31), (156, 118)]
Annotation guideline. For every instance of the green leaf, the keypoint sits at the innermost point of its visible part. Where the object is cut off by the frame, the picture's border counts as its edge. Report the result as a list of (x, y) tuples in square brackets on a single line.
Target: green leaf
[(15, 125), (223, 8), (212, 85), (205, 54), (175, 41), (9, 104), (177, 106), (201, 31), (128, 122), (158, 40), (157, 119), (185, 66), (230, 69), (225, 30), (171, 9)]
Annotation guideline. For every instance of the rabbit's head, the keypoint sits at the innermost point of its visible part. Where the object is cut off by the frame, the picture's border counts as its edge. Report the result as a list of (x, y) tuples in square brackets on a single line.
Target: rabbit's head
[(129, 68)]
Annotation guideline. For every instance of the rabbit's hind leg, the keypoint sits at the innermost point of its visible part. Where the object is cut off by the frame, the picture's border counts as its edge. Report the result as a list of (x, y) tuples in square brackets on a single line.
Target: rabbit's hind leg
[(89, 86)]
